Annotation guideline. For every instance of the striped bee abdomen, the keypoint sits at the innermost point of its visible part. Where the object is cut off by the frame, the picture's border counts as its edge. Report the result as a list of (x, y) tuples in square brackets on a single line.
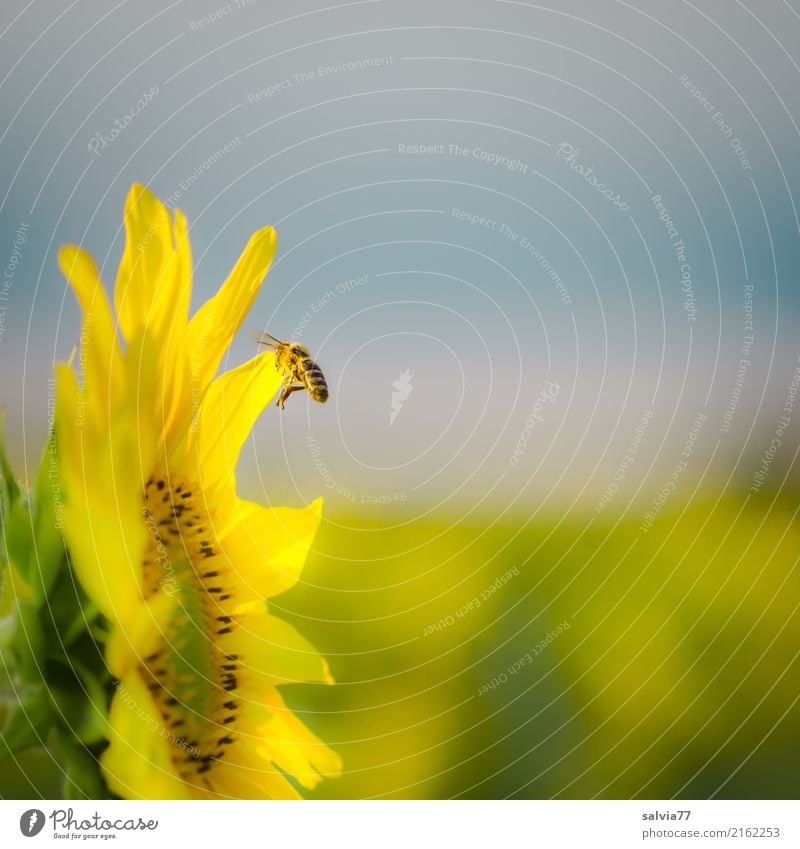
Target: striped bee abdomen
[(314, 380)]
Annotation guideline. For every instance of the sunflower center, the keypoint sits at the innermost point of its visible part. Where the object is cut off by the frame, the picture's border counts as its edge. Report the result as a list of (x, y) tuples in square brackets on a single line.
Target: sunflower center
[(191, 677)]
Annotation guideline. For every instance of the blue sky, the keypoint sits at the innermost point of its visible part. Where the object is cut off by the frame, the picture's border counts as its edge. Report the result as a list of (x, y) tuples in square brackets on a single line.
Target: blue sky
[(460, 162)]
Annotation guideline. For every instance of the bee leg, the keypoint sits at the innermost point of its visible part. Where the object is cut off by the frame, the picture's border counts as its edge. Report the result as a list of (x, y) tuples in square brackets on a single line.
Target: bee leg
[(284, 395), (294, 387), (287, 390)]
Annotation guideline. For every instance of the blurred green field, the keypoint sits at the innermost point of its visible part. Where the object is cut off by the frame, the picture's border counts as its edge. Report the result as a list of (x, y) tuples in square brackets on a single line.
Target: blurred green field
[(677, 674)]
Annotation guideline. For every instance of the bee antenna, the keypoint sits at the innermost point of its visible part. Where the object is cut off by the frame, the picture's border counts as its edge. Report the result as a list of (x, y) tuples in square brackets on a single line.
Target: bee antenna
[(262, 337)]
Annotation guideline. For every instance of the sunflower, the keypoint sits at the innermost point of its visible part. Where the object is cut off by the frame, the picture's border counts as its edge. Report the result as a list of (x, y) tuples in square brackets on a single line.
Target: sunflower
[(148, 439)]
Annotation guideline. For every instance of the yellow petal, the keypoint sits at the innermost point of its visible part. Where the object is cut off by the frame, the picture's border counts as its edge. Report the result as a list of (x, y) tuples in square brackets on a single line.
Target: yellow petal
[(138, 763), (289, 743), (106, 553), (100, 355), (272, 652), (246, 775), (213, 326), (179, 308), (141, 407), (140, 635), (231, 405), (66, 414), (267, 548), (102, 515), (178, 397), (153, 282)]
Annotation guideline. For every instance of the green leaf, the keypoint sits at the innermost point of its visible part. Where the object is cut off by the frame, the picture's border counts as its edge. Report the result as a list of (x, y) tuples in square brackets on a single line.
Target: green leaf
[(8, 613), (10, 487), (69, 611), (29, 642), (18, 536), (82, 779), (28, 720), (31, 528), (80, 698), (9, 495), (49, 552), (94, 727)]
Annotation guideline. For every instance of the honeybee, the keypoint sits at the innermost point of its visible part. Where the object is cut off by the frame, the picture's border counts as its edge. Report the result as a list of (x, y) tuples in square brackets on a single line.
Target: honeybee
[(299, 369)]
